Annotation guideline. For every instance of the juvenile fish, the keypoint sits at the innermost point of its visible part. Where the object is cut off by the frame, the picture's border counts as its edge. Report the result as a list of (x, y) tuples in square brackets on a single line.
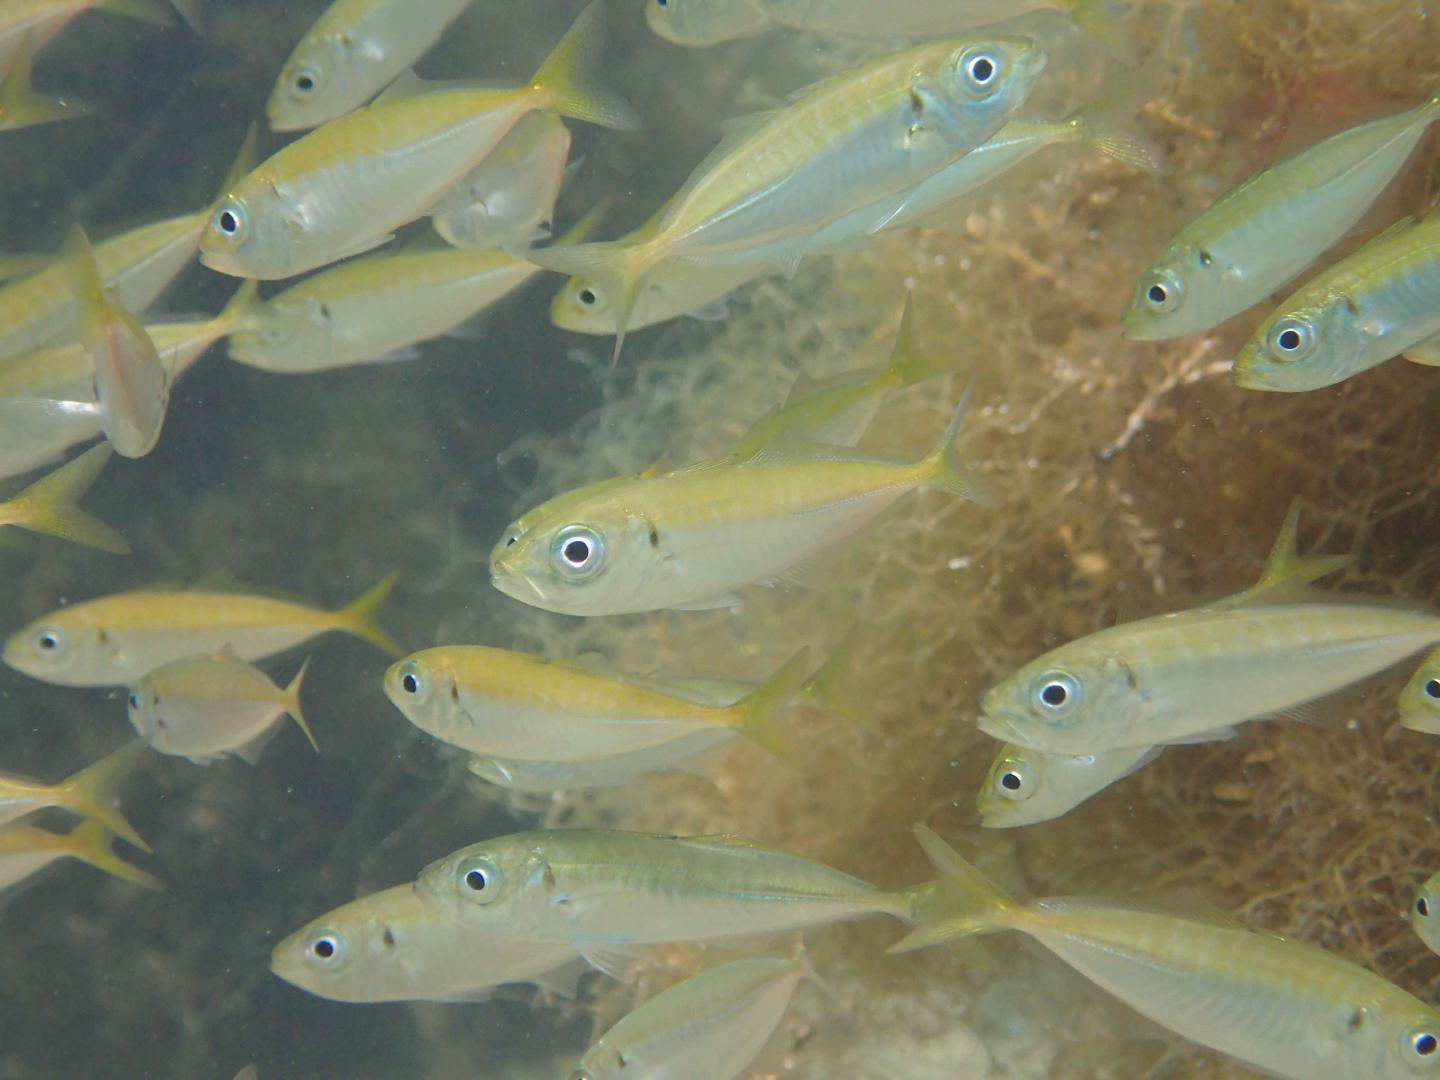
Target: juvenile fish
[(132, 386), (1420, 700), (1425, 913), (509, 198), (91, 793), (1380, 302), (602, 890), (393, 946), (354, 50), (207, 707), (344, 188), (850, 141), (1284, 1007), (115, 640), (1261, 234), (709, 1027), (48, 505), (26, 850), (498, 702), (1025, 786), (691, 537)]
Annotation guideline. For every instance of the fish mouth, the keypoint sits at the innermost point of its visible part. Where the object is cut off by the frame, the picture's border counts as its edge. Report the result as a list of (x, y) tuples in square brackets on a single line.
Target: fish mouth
[(1002, 727), (516, 586), (1248, 378)]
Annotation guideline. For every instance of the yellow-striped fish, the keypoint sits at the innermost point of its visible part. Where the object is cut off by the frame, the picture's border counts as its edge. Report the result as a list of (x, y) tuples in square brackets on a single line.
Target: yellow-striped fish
[(90, 793), (692, 537), (115, 640), (26, 850), (345, 187), (1281, 1006), (48, 505)]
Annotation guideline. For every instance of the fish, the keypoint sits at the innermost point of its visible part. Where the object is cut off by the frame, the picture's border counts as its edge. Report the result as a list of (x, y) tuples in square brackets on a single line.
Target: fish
[(1284, 1007), (375, 309), (393, 946), (1264, 232), (690, 538), (344, 188), (115, 640), (132, 386), (1425, 913), (36, 431), (21, 107), (90, 793), (1372, 306), (847, 142), (606, 891), (67, 372), (510, 196), (353, 51), (1420, 700), (40, 20), (584, 306), (691, 753), (709, 22), (498, 702), (709, 1027), (26, 850), (138, 265), (207, 707), (1153, 682), (704, 22), (48, 505), (1025, 786)]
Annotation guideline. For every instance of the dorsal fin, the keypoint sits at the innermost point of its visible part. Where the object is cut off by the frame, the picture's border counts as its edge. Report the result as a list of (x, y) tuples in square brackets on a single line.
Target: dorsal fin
[(1287, 573)]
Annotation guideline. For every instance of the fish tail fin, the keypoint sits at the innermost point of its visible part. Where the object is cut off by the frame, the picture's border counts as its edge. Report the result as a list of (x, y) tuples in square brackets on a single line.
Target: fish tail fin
[(821, 688), (90, 842), (292, 703), (1107, 20), (19, 103), (93, 791), (48, 505), (618, 267), (156, 12), (565, 76), (1102, 122), (909, 363), (943, 471), (361, 616), (760, 710), (246, 297), (962, 903)]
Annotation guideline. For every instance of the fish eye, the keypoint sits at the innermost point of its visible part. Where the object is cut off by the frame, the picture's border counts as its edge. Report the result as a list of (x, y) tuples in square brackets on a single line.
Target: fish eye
[(577, 551), (1422, 1045), (979, 70), (1056, 693), (1422, 906), (1432, 689), (1162, 292), (50, 641), (588, 296), (134, 700), (411, 679), (305, 81), (1291, 339), (328, 949), (230, 219), (479, 879), (583, 1074), (1015, 782)]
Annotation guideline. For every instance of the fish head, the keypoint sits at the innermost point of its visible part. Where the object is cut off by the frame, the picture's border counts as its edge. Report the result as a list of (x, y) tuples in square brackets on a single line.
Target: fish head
[(143, 706), (1188, 290), (1420, 700), (358, 952), (423, 687), (285, 334), (981, 81), (1303, 348), (704, 22), (1425, 913), (494, 881), (1395, 1038), (326, 76), (1078, 699), (583, 306), (578, 556), (252, 232), (1012, 792), (56, 649)]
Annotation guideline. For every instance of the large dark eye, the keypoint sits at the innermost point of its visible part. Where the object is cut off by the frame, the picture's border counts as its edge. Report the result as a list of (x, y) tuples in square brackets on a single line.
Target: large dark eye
[(1422, 907), (1015, 782), (577, 551), (305, 81), (1162, 292), (1432, 689), (328, 949), (1056, 692), (480, 879), (588, 297), (1291, 339), (49, 640), (979, 71), (1423, 1046), (230, 219)]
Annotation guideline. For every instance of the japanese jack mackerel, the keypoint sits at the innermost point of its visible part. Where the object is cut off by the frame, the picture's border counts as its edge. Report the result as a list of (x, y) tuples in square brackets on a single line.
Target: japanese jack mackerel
[(1274, 650), (1379, 303), (1284, 1007), (850, 141)]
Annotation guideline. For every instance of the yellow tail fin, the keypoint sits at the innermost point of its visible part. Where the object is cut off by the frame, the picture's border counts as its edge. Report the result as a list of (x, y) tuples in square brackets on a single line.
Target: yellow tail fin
[(909, 363), (962, 903), (360, 617), (48, 505), (943, 471), (93, 792), (90, 843), (21, 107), (292, 703), (565, 76), (760, 710)]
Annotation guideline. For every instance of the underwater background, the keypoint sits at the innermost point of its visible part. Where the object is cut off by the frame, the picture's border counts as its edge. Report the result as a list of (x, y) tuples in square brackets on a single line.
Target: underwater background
[(1137, 479)]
